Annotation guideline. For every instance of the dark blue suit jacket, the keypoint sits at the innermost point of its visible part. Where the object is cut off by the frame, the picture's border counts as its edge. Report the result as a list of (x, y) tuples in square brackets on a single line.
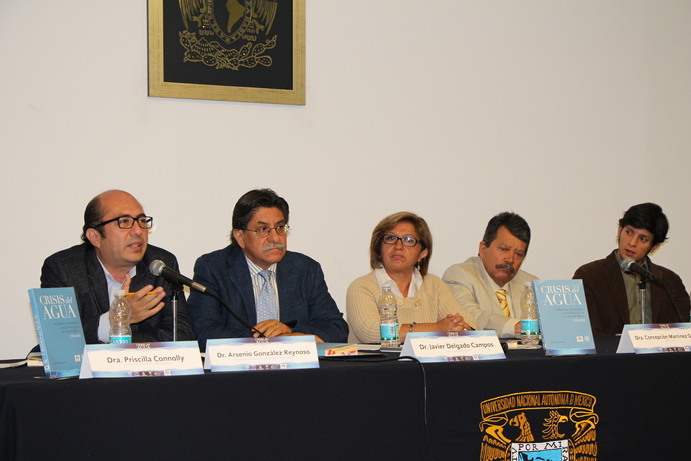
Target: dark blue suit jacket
[(79, 267), (302, 293)]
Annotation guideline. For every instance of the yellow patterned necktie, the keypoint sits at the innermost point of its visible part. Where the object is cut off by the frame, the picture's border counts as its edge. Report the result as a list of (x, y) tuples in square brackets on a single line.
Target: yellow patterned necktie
[(501, 296)]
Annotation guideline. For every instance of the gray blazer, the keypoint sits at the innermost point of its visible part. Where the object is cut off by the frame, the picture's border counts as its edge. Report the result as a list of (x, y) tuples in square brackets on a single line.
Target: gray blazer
[(469, 283)]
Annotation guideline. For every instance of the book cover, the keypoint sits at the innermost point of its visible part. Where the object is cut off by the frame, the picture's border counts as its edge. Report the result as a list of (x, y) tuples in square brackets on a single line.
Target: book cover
[(563, 316), (59, 330)]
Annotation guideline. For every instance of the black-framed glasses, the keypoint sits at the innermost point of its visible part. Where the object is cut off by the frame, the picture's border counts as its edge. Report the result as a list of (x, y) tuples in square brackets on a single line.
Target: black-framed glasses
[(392, 239), (127, 222), (264, 231)]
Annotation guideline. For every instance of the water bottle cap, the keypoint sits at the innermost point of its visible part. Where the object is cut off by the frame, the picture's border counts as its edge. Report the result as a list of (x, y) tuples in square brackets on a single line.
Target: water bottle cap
[(119, 292), (528, 285)]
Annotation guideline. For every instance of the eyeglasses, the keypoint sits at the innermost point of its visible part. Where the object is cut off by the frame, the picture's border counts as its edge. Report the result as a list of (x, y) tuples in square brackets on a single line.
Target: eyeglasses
[(264, 231), (407, 241), (127, 222)]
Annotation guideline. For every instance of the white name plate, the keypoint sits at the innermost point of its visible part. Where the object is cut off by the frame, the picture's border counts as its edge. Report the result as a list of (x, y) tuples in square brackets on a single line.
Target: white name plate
[(453, 346), (245, 354), (141, 359), (655, 338)]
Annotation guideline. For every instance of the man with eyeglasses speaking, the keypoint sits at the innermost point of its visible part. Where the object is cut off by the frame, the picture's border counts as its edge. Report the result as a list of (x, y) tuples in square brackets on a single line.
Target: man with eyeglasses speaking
[(490, 285), (278, 292), (115, 255)]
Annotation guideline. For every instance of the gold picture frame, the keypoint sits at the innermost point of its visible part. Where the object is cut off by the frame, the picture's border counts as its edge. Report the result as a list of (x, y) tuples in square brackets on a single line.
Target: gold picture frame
[(193, 54)]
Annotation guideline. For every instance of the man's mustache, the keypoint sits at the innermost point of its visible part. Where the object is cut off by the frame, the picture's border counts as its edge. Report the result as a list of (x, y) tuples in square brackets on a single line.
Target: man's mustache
[(271, 246), (508, 266)]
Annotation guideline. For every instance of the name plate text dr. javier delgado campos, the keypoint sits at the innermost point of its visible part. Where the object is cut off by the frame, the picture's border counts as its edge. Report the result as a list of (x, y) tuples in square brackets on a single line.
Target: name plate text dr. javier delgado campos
[(453, 346)]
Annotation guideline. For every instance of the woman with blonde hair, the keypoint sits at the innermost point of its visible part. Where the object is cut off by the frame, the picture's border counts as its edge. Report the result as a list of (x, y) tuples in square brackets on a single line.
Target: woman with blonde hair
[(400, 251)]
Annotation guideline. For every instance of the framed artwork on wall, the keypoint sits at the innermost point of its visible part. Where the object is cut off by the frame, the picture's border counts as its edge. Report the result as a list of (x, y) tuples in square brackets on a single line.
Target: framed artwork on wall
[(228, 50)]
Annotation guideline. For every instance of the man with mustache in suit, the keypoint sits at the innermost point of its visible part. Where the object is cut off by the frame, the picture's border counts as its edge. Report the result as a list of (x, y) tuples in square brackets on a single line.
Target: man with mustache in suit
[(490, 285), (279, 292)]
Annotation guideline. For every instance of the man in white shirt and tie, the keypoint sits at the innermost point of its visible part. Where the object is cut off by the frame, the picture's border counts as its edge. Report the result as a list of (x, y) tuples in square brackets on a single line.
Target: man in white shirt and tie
[(490, 285)]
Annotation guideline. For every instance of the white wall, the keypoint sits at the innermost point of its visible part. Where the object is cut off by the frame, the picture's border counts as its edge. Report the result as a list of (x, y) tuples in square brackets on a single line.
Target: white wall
[(566, 112)]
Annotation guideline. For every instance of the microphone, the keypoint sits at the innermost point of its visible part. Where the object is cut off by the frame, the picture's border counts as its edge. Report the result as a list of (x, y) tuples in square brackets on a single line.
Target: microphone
[(158, 267), (629, 265)]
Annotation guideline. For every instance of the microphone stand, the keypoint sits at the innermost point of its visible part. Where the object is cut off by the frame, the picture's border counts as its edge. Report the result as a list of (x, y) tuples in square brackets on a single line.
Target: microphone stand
[(641, 287), (158, 268), (174, 306)]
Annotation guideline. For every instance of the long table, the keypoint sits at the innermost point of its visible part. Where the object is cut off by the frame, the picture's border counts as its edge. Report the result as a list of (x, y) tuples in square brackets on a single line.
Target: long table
[(604, 406)]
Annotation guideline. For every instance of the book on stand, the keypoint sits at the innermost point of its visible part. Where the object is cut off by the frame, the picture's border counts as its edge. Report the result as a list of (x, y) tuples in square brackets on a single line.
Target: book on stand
[(563, 315), (59, 330)]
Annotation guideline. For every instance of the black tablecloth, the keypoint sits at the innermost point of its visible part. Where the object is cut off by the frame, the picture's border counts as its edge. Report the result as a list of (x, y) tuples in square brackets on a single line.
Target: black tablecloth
[(352, 410)]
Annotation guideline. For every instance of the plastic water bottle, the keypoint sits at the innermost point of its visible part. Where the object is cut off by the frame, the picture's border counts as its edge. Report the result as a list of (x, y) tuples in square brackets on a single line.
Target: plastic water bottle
[(388, 324), (120, 315), (530, 328)]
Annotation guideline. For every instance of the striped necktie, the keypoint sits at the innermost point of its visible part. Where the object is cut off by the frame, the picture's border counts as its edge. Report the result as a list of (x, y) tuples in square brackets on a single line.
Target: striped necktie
[(501, 296), (266, 301)]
